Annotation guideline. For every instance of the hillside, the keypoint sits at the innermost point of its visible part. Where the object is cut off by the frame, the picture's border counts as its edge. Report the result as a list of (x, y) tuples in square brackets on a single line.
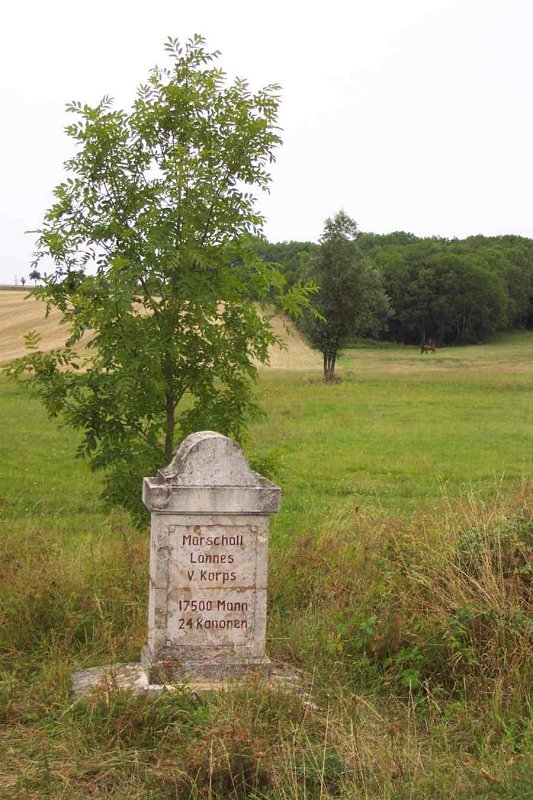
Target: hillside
[(20, 313)]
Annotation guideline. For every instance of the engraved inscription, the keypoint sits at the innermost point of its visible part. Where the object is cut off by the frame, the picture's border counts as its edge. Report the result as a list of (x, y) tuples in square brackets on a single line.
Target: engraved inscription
[(213, 575)]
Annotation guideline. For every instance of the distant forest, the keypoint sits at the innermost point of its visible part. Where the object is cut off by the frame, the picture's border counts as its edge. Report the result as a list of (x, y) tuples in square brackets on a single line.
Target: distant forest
[(449, 290)]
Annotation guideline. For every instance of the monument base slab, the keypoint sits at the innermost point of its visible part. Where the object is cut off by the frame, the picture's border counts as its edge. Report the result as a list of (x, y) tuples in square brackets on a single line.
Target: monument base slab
[(99, 681), (187, 669)]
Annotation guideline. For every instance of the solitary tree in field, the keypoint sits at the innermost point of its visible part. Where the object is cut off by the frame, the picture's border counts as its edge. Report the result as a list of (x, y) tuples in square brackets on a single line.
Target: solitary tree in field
[(35, 276), (351, 299), (154, 268)]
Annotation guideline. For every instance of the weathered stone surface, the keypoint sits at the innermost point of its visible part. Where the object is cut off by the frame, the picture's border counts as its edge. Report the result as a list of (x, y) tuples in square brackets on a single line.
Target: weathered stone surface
[(98, 681), (209, 459), (261, 499), (208, 563), (104, 679), (208, 575)]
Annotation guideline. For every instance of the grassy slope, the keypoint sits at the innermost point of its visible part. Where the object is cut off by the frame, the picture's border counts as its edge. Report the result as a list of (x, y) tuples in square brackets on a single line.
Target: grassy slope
[(418, 655)]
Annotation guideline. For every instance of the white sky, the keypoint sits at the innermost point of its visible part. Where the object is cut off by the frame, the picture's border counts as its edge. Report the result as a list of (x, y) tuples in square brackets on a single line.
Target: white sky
[(410, 114)]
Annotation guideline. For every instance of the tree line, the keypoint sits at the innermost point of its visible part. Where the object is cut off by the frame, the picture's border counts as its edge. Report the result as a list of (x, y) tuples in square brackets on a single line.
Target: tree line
[(450, 290)]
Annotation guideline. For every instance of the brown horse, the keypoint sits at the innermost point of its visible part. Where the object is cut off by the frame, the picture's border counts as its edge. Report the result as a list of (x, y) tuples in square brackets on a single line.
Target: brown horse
[(429, 347)]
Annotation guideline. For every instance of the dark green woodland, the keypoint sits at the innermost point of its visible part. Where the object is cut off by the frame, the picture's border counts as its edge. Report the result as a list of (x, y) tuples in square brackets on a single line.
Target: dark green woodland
[(453, 291)]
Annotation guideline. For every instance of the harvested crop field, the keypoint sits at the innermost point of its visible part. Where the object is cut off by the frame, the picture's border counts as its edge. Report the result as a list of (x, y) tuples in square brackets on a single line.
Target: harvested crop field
[(20, 313)]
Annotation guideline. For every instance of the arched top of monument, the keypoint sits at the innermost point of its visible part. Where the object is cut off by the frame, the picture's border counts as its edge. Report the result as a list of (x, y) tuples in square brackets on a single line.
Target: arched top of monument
[(210, 475), (207, 458)]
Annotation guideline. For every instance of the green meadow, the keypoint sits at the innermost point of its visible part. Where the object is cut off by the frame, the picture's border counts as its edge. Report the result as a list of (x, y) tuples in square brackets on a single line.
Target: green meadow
[(401, 431), (400, 588)]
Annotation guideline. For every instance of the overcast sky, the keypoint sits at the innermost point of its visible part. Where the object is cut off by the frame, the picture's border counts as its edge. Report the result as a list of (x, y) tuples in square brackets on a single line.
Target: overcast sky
[(411, 115)]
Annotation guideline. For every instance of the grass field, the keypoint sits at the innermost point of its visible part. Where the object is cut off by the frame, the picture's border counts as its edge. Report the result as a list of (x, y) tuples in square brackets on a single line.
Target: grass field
[(402, 431), (400, 584)]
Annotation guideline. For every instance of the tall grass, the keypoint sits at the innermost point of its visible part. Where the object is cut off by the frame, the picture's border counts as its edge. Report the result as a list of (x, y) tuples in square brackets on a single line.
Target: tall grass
[(413, 640)]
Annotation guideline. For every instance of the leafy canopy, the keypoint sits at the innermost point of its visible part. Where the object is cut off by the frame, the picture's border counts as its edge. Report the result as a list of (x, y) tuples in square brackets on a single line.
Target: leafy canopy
[(155, 271), (351, 298)]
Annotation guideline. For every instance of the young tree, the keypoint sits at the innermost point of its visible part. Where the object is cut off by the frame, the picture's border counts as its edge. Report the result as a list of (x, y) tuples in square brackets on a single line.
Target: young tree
[(150, 237), (35, 276), (351, 298)]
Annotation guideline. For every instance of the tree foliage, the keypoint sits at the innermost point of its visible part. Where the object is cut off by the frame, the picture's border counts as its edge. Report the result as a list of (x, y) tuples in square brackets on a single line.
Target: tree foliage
[(454, 291), (155, 271), (450, 290), (294, 259), (351, 299)]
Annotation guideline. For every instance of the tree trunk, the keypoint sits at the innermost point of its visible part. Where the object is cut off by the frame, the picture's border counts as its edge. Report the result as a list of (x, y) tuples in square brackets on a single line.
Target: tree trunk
[(329, 367)]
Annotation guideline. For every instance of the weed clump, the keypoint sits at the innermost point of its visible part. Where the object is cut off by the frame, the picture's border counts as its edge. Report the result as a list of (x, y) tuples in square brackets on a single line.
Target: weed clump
[(442, 606)]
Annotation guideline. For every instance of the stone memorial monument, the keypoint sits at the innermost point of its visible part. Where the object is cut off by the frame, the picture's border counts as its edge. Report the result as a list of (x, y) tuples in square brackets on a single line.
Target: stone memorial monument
[(208, 563), (208, 570)]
